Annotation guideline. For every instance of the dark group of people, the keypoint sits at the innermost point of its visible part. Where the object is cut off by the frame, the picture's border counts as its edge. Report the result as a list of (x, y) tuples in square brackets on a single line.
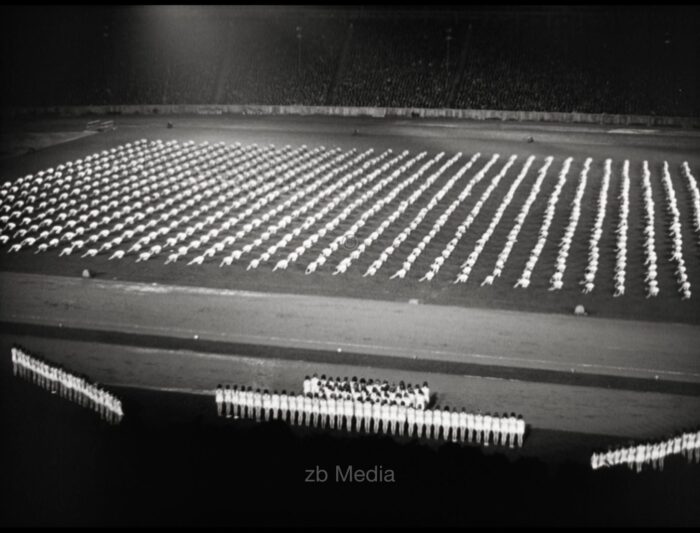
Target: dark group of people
[(632, 66)]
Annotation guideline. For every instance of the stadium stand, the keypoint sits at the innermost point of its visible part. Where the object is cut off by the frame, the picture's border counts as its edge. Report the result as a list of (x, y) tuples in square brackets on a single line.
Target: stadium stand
[(578, 61)]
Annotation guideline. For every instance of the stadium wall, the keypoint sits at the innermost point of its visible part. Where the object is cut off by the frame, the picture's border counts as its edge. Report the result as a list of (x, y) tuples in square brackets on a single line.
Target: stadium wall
[(377, 112)]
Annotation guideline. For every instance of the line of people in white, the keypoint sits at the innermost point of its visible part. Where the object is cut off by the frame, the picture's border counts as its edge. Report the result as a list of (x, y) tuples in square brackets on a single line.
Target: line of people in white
[(439, 223), (70, 386), (650, 260), (233, 179), (346, 212), (404, 234), (589, 275), (694, 193), (350, 180), (517, 227), (280, 223), (525, 277), (621, 231), (291, 175), (437, 226), (369, 417), (637, 456), (557, 280), (467, 222), (675, 234), (136, 177), (411, 258), (334, 223), (363, 390), (403, 206), (151, 198), (467, 266), (340, 240)]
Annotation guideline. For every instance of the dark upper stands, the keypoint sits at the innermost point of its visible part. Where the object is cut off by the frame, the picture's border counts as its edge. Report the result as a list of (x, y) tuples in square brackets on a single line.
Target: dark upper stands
[(636, 62)]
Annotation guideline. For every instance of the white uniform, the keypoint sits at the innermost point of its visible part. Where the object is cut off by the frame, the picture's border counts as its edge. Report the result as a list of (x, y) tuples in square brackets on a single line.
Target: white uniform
[(275, 406), (367, 414), (520, 424), (393, 418), (478, 426), (425, 395), (301, 406), (463, 419), (315, 411), (238, 398), (266, 405), (257, 405), (639, 457), (385, 418), (428, 421), (219, 398), (228, 401), (292, 409), (308, 408), (323, 411), (284, 407), (450, 422), (420, 421), (411, 419), (349, 413), (332, 411), (496, 427), (455, 425), (691, 446), (402, 417), (487, 429), (376, 416)]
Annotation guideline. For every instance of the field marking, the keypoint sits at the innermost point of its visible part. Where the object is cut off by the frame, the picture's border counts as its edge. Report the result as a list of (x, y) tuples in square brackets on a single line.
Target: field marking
[(634, 131), (387, 350), (179, 390)]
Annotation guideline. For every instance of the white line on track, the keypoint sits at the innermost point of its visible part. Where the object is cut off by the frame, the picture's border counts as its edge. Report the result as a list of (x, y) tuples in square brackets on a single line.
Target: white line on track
[(179, 390)]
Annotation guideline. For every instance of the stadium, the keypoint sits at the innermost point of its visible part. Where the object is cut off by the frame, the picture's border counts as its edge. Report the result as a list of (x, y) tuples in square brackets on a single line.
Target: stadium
[(253, 195)]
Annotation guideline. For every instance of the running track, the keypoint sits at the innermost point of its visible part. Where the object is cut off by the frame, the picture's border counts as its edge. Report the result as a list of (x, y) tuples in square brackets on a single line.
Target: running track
[(492, 338)]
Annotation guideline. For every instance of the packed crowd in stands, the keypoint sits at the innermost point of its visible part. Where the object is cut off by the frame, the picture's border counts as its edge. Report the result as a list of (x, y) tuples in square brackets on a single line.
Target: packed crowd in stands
[(629, 64), (651, 454), (292, 64), (71, 386), (397, 64), (377, 411)]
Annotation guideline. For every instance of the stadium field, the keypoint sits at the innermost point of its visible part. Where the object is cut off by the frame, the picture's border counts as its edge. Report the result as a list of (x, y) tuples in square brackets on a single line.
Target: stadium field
[(487, 138), (631, 359)]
